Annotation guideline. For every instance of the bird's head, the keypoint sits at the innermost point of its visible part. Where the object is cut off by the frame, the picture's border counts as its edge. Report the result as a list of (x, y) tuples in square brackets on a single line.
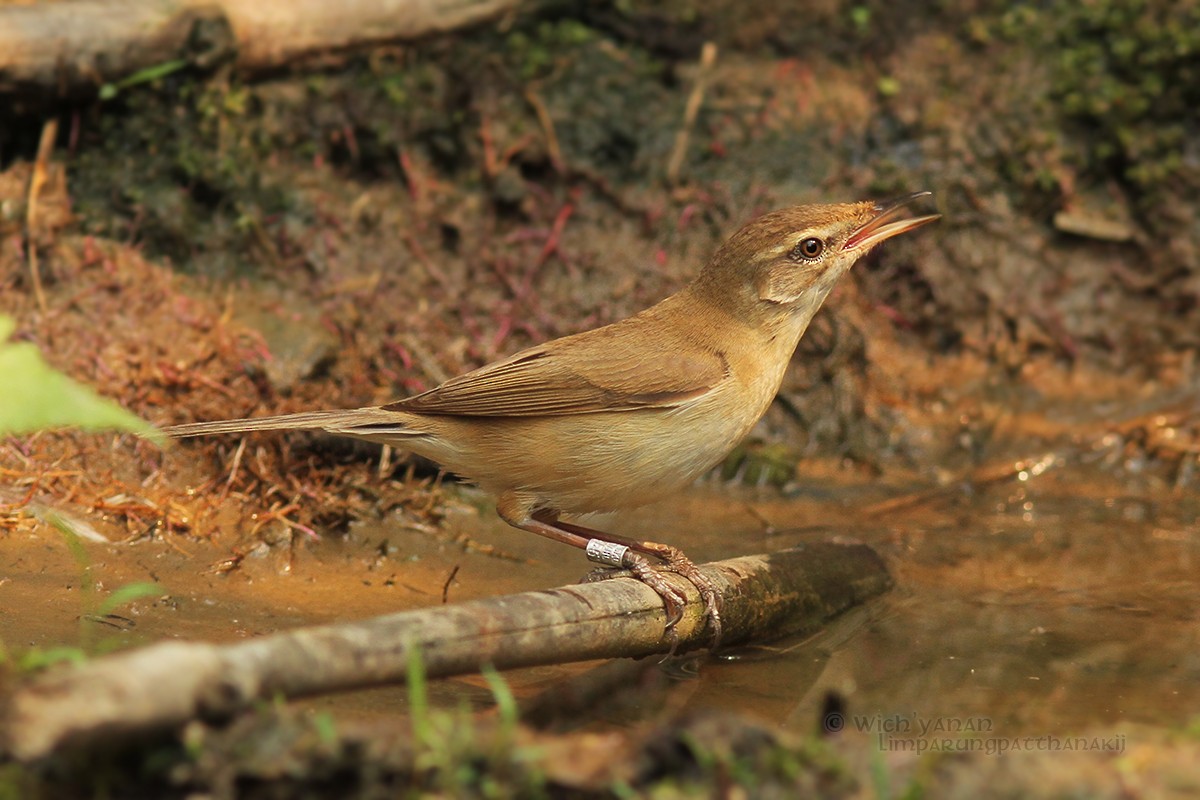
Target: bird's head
[(785, 263)]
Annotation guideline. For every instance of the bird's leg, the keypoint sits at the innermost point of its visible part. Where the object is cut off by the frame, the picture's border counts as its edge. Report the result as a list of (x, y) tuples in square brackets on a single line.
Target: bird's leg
[(518, 514), (673, 558)]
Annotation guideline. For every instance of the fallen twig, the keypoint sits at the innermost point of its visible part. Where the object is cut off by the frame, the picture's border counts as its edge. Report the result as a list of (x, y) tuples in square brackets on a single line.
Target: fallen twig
[(99, 44), (41, 171), (708, 57)]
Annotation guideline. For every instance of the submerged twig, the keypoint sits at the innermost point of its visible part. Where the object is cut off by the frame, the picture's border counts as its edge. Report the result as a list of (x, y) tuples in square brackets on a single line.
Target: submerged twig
[(1007, 469)]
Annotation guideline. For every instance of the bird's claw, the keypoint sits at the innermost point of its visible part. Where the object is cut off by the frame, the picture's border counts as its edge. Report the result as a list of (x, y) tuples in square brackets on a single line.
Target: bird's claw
[(674, 601)]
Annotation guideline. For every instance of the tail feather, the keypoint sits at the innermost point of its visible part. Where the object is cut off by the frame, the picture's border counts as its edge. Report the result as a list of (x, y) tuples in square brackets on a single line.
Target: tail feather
[(344, 422)]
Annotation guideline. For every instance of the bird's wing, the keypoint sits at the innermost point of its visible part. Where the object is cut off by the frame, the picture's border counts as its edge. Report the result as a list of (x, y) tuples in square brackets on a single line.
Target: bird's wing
[(620, 367)]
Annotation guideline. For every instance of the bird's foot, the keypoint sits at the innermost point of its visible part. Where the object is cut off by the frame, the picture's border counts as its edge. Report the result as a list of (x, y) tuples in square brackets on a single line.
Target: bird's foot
[(675, 561), (639, 567), (636, 565)]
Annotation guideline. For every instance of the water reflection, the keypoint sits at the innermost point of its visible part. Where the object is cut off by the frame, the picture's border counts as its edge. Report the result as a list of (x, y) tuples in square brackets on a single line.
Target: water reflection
[(1044, 607)]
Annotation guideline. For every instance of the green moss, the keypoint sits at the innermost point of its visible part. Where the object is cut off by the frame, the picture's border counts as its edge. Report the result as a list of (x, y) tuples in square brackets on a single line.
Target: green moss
[(1123, 74), (170, 165), (758, 464), (15, 782), (534, 51), (204, 171)]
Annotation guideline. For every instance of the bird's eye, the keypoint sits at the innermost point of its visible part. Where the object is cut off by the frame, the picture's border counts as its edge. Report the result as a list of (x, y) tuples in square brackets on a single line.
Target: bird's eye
[(808, 249)]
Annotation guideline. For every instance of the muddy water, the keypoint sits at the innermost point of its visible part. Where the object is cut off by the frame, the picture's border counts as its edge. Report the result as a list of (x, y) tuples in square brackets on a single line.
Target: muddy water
[(1063, 603)]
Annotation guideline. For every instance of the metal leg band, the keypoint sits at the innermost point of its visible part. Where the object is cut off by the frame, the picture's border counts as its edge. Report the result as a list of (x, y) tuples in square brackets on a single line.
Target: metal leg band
[(607, 553)]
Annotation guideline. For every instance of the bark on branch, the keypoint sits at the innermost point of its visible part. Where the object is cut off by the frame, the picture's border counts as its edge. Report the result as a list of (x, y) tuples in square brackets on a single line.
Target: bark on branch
[(73, 45), (167, 684)]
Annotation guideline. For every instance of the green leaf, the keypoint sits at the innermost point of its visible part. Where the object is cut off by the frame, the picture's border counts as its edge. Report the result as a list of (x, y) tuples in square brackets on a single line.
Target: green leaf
[(34, 397), (418, 698), (326, 728), (152, 73), (506, 703)]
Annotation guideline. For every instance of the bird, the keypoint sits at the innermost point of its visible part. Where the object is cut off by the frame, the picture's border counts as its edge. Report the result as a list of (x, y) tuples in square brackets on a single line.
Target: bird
[(624, 414)]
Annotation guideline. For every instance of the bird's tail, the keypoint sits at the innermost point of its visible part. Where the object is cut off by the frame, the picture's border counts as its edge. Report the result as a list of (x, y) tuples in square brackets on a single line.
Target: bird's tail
[(352, 422)]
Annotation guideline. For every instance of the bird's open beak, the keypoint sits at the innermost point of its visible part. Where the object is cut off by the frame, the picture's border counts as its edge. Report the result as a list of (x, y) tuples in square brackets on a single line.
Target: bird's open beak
[(884, 224)]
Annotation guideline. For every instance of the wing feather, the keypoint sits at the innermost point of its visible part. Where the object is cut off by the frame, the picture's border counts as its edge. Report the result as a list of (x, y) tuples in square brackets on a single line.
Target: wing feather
[(625, 366)]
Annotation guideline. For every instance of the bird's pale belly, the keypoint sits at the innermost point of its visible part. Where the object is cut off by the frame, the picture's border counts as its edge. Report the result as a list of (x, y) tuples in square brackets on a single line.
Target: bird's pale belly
[(593, 462)]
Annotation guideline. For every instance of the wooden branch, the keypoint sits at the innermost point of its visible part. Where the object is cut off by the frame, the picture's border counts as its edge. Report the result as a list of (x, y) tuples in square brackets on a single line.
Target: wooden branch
[(271, 34), (65, 46), (77, 45), (164, 685)]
